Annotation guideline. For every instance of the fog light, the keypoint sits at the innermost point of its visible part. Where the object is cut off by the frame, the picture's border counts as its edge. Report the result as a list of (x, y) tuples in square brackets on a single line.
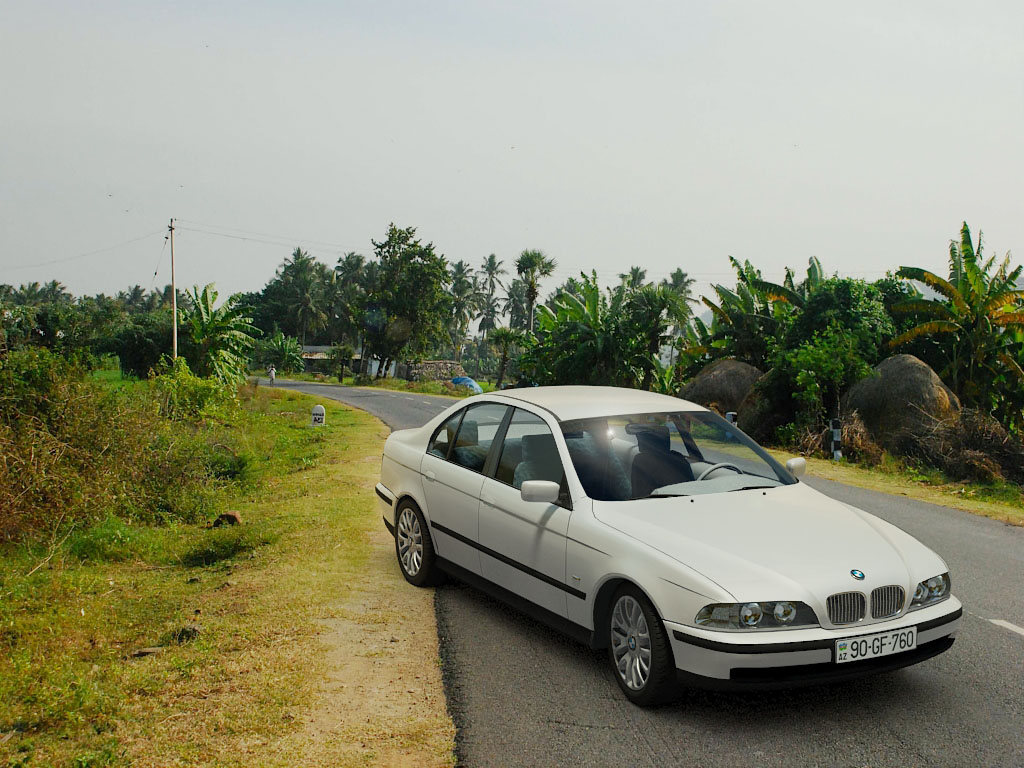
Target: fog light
[(750, 614)]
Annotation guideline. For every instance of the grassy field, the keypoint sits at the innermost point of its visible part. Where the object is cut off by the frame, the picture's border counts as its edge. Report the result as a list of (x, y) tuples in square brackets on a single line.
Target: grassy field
[(237, 620), (1004, 501)]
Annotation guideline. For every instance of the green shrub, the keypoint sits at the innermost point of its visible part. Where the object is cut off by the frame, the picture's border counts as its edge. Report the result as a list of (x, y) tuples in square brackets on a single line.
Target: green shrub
[(183, 395)]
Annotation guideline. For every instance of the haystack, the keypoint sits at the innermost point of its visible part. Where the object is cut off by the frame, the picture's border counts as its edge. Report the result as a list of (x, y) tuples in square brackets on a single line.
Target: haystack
[(901, 402), (721, 385)]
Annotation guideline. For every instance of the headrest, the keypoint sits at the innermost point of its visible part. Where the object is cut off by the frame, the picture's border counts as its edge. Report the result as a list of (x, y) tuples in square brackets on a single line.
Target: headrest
[(468, 434), (654, 439), (540, 448)]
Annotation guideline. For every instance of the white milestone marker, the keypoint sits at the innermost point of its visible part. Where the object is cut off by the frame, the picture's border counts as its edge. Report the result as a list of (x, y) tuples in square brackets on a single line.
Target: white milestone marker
[(319, 415)]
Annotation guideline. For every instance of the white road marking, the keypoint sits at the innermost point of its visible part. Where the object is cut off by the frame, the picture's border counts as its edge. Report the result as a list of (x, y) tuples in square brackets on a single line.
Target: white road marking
[(1008, 625)]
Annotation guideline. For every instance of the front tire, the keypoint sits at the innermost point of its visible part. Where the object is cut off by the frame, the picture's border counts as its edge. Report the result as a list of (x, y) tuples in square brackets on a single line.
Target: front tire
[(414, 547), (639, 649)]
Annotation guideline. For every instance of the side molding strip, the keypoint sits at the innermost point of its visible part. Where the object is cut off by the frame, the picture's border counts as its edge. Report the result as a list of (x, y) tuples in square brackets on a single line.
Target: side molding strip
[(391, 502), (509, 561), (553, 620)]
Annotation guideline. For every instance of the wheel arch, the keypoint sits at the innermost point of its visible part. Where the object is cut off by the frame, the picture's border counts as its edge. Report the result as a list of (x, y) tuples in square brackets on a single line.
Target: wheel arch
[(603, 606)]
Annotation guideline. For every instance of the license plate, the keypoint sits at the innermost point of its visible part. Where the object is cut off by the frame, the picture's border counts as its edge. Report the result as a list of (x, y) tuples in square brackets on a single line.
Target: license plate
[(873, 646)]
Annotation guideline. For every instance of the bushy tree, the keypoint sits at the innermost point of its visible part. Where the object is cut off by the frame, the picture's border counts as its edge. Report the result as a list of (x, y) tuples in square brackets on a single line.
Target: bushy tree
[(407, 307)]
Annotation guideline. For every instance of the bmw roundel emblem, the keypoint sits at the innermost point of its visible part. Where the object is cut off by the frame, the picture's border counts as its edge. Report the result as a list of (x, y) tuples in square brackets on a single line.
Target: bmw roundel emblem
[(858, 575)]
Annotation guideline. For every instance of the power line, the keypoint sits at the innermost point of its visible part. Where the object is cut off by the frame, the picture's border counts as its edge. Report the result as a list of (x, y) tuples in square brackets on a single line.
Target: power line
[(158, 263), (84, 255), (247, 234)]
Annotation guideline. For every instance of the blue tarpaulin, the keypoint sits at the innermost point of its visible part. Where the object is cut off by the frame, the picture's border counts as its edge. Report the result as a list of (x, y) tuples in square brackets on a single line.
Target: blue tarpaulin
[(468, 383)]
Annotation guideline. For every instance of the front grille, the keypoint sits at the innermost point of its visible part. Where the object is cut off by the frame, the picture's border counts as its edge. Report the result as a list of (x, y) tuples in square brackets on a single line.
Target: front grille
[(887, 601), (846, 607)]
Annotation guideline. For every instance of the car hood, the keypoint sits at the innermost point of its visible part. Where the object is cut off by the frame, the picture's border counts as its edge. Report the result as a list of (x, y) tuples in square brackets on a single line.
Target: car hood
[(784, 543)]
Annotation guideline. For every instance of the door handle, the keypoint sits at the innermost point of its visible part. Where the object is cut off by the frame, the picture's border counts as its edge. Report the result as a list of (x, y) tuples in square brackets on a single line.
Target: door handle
[(429, 474)]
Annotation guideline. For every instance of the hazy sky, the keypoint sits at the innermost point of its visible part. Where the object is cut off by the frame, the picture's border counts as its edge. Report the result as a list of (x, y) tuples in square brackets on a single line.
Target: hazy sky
[(661, 134)]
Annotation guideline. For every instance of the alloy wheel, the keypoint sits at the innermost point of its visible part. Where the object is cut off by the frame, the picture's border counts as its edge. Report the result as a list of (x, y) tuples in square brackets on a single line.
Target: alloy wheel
[(631, 642), (410, 541)]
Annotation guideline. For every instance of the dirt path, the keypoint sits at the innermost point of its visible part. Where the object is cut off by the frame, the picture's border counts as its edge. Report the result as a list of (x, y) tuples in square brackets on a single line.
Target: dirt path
[(382, 702)]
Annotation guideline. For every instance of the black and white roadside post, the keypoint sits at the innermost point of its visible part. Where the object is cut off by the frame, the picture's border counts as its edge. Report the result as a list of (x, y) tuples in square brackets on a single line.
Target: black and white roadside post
[(837, 436), (319, 416), (730, 416)]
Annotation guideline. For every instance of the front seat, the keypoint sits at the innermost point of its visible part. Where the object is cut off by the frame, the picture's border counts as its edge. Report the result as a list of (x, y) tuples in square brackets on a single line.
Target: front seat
[(540, 461), (657, 464)]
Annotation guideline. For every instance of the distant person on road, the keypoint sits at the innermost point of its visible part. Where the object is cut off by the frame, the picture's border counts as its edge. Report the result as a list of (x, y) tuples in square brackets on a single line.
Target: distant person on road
[(272, 374)]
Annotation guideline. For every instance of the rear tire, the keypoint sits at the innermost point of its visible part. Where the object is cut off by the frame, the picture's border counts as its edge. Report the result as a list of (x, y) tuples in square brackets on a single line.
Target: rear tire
[(639, 649), (414, 547)]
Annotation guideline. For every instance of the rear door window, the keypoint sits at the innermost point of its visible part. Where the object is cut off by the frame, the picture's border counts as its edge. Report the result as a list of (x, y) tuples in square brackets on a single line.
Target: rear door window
[(445, 435), (476, 435)]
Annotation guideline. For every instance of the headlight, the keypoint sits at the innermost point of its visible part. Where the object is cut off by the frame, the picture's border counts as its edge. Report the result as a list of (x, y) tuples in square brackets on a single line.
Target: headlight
[(931, 591), (764, 615)]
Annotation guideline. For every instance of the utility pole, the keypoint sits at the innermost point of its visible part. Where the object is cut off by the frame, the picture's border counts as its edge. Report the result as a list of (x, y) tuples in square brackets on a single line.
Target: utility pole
[(174, 300)]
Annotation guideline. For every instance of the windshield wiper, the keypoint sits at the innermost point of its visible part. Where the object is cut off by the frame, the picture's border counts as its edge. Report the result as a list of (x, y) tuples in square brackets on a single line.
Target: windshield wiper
[(752, 488), (664, 495)]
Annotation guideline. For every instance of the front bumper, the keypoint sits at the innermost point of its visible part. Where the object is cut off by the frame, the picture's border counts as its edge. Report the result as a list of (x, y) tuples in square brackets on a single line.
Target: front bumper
[(729, 659)]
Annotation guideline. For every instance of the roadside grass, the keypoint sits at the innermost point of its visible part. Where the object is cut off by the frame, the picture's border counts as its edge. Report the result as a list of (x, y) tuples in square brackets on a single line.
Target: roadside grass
[(74, 612), (999, 501)]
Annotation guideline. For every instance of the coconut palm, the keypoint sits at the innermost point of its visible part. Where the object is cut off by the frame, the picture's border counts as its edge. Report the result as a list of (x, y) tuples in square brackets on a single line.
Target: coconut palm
[(634, 278), (490, 309), (515, 305), (504, 339), (55, 292), (466, 300), (29, 295), (223, 336), (532, 265), (681, 284), (978, 322)]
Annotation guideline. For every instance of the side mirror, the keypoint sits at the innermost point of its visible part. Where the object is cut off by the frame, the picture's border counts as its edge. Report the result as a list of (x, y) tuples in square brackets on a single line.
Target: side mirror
[(797, 466), (540, 490)]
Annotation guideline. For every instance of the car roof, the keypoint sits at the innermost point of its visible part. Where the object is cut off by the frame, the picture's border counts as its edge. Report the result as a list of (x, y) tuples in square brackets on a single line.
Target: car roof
[(576, 402)]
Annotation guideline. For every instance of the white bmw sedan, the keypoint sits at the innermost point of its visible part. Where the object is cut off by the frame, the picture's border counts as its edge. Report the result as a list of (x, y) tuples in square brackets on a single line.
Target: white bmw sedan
[(654, 528)]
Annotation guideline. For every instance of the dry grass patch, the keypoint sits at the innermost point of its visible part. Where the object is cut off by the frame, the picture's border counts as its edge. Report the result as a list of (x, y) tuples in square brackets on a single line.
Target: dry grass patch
[(270, 598)]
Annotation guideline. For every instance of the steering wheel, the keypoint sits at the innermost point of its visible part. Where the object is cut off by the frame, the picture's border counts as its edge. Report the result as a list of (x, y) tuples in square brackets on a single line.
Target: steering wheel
[(713, 467)]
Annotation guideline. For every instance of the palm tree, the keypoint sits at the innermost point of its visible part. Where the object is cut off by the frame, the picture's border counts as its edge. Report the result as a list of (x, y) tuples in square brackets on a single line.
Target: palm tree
[(134, 299), (634, 278), (978, 323), (308, 284), (223, 336), (466, 300), (514, 305), (55, 292), (504, 339), (680, 283), (653, 311), (531, 266), (29, 295), (490, 309)]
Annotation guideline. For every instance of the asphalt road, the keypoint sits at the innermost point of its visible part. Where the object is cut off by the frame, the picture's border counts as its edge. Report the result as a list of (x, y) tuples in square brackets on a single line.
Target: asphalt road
[(522, 694)]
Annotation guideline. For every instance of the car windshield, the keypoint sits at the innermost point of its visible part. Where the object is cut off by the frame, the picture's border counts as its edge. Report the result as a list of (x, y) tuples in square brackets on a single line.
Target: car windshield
[(654, 455)]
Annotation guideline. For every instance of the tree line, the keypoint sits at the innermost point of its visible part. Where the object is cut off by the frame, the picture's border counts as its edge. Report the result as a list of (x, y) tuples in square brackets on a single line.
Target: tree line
[(812, 335)]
